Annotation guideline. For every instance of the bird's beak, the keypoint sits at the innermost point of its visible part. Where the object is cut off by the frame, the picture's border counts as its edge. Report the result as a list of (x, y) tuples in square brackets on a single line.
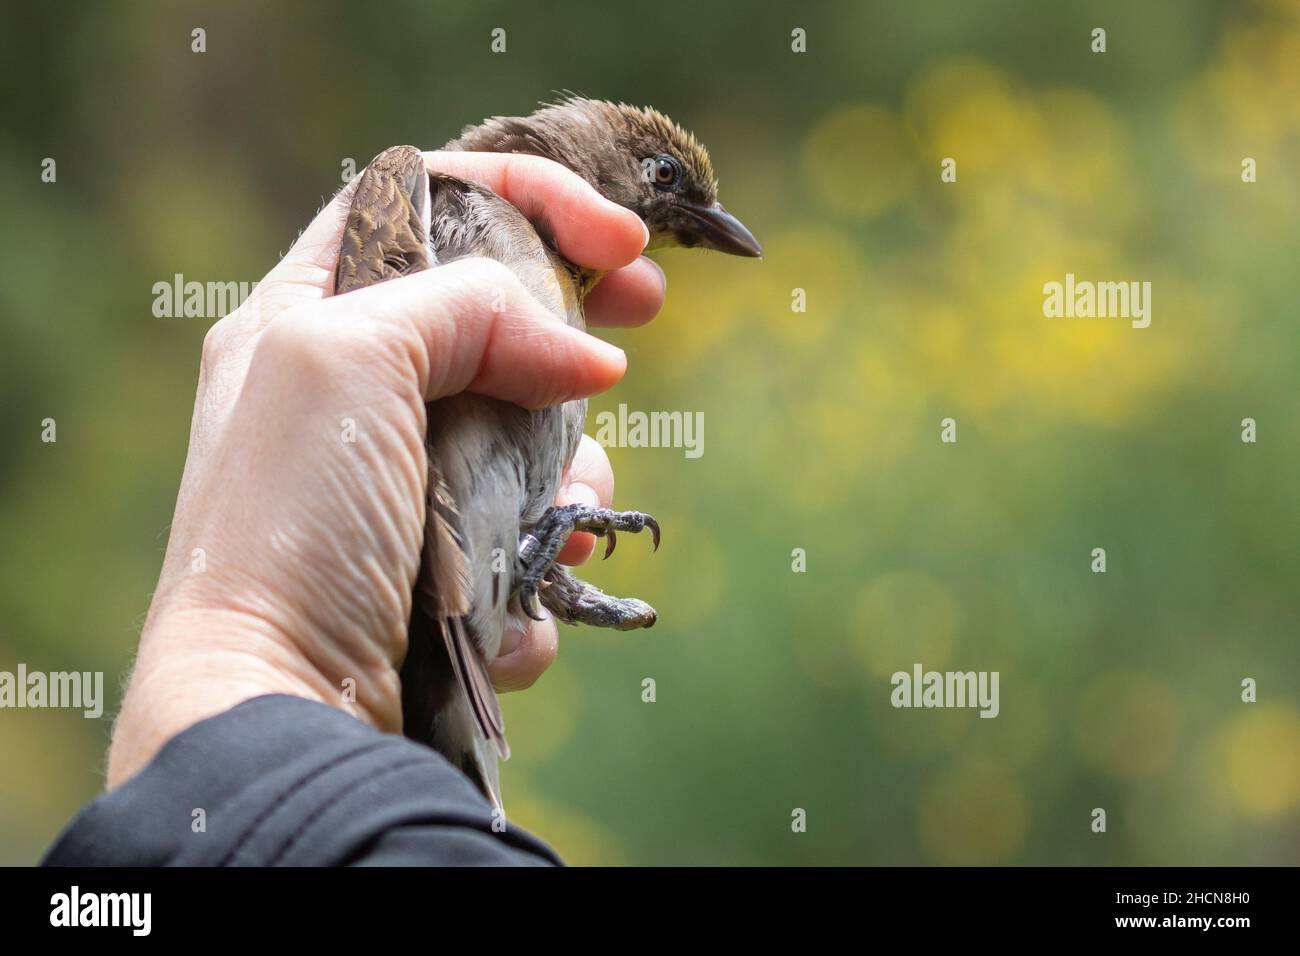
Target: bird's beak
[(718, 229)]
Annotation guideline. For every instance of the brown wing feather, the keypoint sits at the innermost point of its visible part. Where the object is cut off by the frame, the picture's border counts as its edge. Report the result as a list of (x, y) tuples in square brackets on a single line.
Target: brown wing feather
[(444, 585), (387, 225)]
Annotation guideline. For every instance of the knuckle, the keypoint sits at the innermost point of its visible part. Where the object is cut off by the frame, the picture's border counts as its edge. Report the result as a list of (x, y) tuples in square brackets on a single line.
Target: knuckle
[(301, 341), (214, 341), (219, 341), (399, 346)]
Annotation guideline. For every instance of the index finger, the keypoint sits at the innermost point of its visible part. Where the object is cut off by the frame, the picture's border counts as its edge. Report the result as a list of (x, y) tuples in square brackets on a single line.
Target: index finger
[(588, 228)]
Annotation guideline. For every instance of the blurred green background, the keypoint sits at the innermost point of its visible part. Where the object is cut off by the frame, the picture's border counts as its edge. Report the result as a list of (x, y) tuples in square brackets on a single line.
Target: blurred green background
[(1118, 690)]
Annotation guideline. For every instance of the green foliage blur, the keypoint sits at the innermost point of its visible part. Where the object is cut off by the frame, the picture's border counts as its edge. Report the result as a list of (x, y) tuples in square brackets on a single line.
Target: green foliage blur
[(924, 301)]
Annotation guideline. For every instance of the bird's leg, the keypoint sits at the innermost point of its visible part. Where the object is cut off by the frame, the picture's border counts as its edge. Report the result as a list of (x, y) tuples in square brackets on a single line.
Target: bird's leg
[(574, 601), (538, 548)]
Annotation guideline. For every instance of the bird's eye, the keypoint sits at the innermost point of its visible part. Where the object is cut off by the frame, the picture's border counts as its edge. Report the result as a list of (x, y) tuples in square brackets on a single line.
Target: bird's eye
[(664, 171)]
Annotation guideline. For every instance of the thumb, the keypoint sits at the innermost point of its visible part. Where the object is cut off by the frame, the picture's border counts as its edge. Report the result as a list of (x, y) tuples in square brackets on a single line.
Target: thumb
[(472, 326)]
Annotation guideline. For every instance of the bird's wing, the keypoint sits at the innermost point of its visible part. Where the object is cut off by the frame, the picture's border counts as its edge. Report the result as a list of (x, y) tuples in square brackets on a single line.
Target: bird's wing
[(386, 234)]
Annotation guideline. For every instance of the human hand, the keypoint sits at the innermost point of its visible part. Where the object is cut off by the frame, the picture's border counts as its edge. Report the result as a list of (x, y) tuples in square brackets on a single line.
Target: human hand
[(293, 550)]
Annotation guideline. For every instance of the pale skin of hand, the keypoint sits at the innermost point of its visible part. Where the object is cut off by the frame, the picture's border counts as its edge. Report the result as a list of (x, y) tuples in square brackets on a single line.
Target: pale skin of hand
[(309, 544)]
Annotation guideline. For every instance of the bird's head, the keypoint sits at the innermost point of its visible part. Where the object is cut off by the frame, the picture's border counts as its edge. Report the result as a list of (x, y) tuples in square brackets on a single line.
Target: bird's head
[(634, 156)]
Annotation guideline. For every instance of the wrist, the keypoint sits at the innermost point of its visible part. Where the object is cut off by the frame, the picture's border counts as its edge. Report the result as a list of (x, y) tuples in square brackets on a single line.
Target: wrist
[(196, 663)]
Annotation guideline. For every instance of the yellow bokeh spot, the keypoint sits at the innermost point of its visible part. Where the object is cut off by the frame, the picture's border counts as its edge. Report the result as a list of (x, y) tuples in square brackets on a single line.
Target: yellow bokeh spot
[(1127, 725), (1245, 105), (973, 815), (968, 110), (859, 161), (1084, 157), (902, 618), (1260, 756), (990, 342), (824, 264), (1283, 8)]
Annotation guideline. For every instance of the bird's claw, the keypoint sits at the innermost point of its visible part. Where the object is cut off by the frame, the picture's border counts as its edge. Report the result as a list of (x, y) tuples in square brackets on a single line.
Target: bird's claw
[(528, 602), (654, 532), (611, 537), (636, 522), (604, 522), (538, 548)]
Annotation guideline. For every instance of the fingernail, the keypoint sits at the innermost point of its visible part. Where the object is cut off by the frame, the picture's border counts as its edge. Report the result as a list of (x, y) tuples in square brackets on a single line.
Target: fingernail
[(611, 353), (645, 231), (663, 276), (581, 493)]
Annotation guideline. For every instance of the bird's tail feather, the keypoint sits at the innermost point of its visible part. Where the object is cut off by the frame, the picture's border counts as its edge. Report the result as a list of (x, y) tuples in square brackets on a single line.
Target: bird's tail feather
[(472, 675), (444, 591), (489, 772)]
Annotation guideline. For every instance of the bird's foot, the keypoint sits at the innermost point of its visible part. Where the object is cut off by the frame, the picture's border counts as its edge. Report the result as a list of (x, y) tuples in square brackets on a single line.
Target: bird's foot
[(574, 601), (537, 549)]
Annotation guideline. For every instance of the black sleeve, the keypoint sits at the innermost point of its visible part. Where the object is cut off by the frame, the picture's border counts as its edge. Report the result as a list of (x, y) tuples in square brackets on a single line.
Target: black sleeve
[(286, 781)]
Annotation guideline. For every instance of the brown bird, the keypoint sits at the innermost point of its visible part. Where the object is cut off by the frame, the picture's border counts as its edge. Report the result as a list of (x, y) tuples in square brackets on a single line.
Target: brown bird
[(491, 532)]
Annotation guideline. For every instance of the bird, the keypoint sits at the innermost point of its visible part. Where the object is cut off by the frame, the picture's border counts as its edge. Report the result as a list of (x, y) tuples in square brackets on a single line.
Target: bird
[(492, 532)]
